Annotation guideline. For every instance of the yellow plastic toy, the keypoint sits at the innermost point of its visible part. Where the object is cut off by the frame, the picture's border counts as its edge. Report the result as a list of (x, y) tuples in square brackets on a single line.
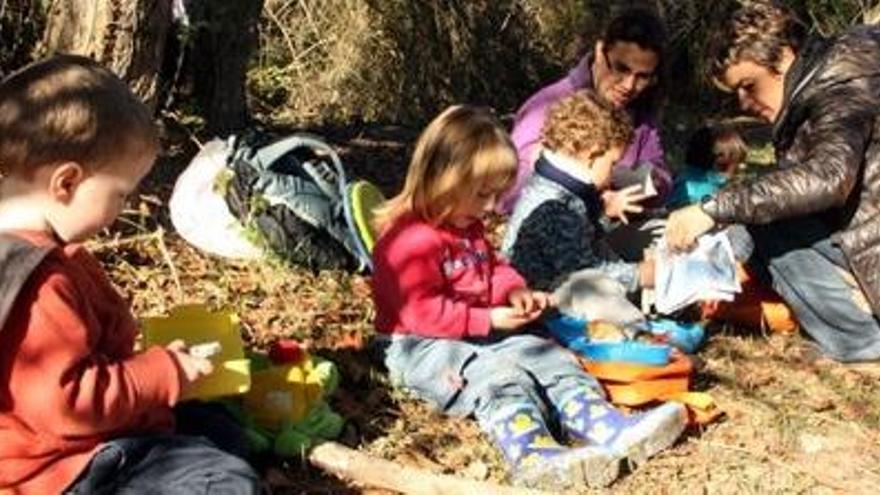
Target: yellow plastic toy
[(284, 392), (197, 326), (285, 409)]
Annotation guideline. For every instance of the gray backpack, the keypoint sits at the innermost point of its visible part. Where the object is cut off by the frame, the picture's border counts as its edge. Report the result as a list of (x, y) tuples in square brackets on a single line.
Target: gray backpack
[(293, 192)]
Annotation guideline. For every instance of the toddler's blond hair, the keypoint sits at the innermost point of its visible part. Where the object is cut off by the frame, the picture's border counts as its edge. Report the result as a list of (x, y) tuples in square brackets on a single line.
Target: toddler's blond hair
[(582, 122), (461, 151)]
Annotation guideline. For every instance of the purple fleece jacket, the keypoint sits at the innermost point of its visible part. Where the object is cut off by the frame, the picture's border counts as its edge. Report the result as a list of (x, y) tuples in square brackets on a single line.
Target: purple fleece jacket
[(644, 147)]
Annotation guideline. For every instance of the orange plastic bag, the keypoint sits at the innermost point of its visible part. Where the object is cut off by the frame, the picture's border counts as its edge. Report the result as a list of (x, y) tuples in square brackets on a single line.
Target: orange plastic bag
[(636, 385), (757, 307)]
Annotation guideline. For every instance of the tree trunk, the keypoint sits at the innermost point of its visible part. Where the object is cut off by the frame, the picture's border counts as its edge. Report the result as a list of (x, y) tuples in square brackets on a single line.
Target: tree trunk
[(21, 24), (224, 37), (128, 36), (872, 15)]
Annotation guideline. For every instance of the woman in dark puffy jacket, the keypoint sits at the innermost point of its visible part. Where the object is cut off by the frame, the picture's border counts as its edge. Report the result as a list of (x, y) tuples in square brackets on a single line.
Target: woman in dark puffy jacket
[(815, 219)]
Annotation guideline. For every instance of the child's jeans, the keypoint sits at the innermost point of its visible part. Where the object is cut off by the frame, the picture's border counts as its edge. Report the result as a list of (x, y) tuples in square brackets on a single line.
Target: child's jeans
[(811, 274), (173, 464), (485, 376)]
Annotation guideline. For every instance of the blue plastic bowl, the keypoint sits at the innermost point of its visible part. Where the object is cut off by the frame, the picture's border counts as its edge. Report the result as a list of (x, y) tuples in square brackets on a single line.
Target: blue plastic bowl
[(567, 329), (629, 352), (686, 336)]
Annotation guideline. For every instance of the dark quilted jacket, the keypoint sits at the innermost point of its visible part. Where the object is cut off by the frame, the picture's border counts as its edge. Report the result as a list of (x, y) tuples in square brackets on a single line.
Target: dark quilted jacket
[(827, 141), (555, 230)]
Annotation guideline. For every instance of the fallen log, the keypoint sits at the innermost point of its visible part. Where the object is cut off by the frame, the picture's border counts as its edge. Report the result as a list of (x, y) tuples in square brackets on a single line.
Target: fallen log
[(369, 471)]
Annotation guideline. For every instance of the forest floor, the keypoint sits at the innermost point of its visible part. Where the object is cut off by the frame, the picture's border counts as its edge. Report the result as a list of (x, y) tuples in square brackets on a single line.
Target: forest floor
[(792, 423)]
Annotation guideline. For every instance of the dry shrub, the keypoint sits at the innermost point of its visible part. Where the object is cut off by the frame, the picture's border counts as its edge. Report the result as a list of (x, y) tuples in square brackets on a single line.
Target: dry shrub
[(321, 58), (485, 52), (334, 61), (395, 60), (404, 60)]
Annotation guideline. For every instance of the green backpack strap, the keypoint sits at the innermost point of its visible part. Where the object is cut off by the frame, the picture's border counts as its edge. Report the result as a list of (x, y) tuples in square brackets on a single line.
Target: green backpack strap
[(364, 197)]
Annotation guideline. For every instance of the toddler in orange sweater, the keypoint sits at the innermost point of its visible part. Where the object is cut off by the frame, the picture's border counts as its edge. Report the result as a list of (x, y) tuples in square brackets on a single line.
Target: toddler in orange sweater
[(80, 412)]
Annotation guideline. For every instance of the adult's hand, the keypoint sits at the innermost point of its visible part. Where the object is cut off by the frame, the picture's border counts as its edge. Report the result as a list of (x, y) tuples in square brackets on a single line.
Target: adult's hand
[(685, 226)]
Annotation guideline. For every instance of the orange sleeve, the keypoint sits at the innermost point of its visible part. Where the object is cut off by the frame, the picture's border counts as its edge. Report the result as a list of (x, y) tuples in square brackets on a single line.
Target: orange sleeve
[(63, 378)]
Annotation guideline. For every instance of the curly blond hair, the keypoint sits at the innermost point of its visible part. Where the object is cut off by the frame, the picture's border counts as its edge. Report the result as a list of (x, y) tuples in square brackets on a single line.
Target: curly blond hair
[(582, 122), (758, 31)]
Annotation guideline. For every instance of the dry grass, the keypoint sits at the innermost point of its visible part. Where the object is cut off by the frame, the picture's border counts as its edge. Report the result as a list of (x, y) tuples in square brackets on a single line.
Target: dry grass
[(793, 424)]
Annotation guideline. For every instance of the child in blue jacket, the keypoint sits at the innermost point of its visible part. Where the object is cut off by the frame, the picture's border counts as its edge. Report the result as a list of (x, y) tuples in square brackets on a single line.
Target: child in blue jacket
[(713, 154)]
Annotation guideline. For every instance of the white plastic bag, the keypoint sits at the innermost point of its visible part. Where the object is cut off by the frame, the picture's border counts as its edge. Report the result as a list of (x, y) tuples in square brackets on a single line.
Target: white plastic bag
[(199, 213), (706, 273), (592, 295)]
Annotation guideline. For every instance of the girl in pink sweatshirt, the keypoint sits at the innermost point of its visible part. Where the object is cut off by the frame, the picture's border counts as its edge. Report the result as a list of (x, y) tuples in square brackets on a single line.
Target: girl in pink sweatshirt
[(454, 316)]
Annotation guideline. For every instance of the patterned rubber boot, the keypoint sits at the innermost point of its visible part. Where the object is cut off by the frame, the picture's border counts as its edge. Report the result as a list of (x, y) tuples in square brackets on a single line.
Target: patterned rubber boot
[(587, 417), (537, 460)]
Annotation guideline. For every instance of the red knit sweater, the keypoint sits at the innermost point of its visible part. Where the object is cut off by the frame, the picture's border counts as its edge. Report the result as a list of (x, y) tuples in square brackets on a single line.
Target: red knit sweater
[(68, 377), (438, 281)]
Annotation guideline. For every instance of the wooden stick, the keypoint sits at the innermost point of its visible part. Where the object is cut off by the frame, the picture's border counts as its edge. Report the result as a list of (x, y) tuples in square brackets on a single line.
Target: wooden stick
[(365, 470), (166, 255), (98, 246)]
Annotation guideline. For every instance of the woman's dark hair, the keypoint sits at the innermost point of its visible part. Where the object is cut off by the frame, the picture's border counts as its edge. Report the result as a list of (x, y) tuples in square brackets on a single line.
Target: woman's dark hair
[(758, 31), (642, 26)]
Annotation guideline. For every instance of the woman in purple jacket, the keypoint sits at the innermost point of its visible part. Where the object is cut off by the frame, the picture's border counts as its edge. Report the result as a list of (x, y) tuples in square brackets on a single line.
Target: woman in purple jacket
[(622, 69)]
